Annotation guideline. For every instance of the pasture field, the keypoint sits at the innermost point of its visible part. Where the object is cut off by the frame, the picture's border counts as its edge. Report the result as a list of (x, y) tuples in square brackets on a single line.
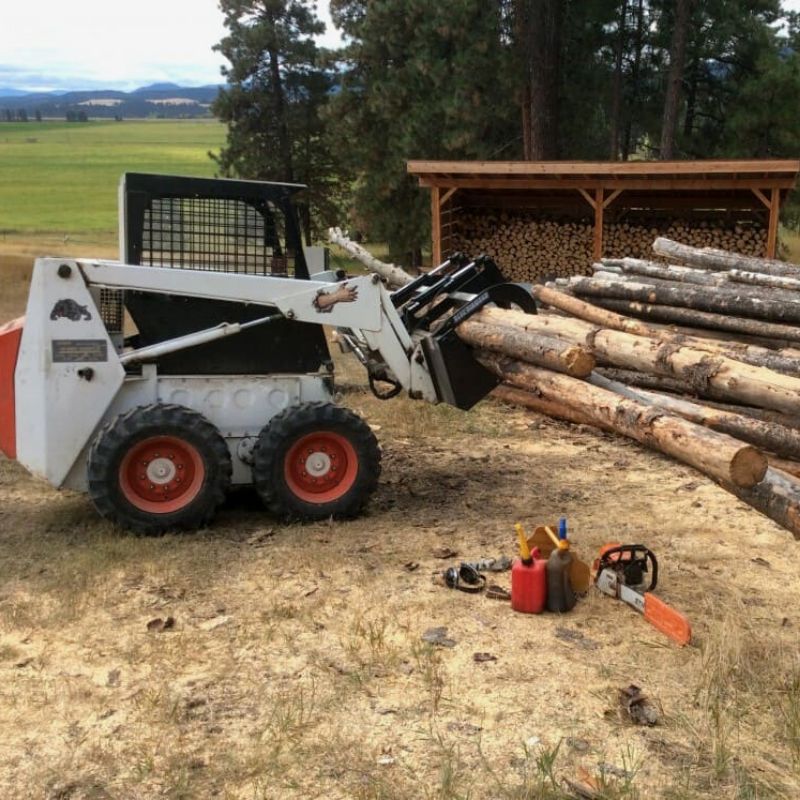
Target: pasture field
[(61, 178)]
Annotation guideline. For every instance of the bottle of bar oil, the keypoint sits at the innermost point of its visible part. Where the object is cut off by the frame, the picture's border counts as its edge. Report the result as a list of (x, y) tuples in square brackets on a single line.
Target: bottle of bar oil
[(560, 597)]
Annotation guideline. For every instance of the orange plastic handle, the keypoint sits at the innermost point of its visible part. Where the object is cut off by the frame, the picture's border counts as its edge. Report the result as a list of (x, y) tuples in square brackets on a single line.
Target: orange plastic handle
[(666, 619)]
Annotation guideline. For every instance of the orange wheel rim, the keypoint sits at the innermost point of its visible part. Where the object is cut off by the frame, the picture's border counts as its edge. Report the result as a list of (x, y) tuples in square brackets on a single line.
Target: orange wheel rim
[(161, 474), (321, 467)]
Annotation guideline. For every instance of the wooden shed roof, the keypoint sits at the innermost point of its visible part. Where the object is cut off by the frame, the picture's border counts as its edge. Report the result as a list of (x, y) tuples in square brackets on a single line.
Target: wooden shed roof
[(642, 175)]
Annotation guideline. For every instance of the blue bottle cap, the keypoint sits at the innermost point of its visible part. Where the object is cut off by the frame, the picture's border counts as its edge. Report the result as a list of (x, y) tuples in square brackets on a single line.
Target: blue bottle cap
[(562, 528)]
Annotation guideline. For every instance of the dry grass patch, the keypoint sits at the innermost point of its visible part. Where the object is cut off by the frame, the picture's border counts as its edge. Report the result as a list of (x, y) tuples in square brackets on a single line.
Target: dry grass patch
[(296, 668)]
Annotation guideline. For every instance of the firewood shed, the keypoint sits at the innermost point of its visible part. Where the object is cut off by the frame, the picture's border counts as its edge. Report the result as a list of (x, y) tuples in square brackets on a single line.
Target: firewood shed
[(554, 218)]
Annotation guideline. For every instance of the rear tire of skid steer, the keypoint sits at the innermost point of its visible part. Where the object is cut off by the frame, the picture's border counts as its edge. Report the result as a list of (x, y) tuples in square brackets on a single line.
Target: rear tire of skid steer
[(315, 461), (157, 468)]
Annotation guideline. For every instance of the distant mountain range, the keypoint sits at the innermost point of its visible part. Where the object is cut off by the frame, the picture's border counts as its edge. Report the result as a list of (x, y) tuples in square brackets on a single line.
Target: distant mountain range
[(156, 100)]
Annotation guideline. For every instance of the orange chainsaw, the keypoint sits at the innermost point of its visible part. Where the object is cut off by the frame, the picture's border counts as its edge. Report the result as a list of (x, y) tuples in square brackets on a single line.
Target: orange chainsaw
[(621, 572)]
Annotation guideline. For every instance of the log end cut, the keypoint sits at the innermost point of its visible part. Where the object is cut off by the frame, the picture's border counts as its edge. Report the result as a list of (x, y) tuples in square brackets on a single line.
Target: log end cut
[(579, 362), (748, 467)]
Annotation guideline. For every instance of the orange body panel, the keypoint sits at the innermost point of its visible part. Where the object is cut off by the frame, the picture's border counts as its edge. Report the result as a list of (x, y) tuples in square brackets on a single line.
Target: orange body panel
[(10, 336)]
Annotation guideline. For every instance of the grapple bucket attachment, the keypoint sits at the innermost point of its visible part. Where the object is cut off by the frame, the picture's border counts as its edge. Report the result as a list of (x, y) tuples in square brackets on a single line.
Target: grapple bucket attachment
[(438, 303)]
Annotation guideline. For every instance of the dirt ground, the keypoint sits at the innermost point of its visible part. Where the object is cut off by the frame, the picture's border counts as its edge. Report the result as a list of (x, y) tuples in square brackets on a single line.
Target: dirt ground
[(295, 666)]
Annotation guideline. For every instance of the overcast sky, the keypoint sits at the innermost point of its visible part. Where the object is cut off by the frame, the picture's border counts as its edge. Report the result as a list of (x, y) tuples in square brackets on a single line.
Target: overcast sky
[(82, 44), (53, 44)]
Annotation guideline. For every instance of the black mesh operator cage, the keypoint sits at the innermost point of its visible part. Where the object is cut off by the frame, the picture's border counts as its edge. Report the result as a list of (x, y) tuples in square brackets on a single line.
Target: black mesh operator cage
[(210, 224)]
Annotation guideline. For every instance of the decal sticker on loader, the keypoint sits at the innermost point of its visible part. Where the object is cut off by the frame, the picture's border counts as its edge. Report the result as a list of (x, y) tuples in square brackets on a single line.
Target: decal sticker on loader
[(79, 351), (69, 309), (325, 301)]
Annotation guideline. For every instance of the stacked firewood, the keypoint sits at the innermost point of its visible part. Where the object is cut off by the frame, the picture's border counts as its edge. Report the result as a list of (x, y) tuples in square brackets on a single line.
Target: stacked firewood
[(528, 246), (717, 388)]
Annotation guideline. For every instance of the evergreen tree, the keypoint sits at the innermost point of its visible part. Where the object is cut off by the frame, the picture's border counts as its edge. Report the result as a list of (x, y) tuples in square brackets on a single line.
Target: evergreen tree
[(677, 62), (420, 80), (539, 46), (588, 61), (763, 121), (483, 79), (273, 103), (38, 115), (731, 44)]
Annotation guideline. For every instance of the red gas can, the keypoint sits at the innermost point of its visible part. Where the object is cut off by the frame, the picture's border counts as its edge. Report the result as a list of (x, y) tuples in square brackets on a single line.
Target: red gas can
[(529, 584)]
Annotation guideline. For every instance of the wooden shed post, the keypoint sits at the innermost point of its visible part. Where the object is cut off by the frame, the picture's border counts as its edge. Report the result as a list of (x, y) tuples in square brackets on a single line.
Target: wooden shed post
[(436, 227), (598, 224), (774, 214)]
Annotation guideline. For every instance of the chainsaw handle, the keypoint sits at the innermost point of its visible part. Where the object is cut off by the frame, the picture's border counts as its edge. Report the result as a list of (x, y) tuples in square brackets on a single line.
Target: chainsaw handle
[(616, 556)]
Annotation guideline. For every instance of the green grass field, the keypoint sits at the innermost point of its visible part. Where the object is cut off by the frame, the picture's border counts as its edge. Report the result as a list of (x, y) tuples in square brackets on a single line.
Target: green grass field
[(60, 177)]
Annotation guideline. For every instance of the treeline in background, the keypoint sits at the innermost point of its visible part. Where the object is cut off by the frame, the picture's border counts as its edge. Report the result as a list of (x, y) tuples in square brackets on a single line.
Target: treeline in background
[(496, 79)]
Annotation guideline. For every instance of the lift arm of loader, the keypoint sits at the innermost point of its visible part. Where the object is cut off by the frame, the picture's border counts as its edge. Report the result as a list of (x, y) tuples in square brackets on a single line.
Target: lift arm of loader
[(361, 304)]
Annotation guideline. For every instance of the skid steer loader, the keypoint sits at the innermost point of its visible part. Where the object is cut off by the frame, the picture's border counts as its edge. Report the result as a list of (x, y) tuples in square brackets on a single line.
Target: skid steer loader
[(200, 360)]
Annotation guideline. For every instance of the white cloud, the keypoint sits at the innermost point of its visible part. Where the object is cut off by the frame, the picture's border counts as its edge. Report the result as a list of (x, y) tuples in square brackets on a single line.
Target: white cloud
[(85, 43)]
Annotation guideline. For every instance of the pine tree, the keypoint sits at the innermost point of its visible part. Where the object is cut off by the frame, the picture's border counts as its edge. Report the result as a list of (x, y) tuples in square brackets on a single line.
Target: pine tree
[(539, 45), (732, 44), (421, 80), (274, 99), (677, 62), (763, 123), (585, 92)]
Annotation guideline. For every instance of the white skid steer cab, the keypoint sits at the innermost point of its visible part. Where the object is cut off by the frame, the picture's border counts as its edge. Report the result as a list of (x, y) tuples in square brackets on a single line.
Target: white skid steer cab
[(200, 361)]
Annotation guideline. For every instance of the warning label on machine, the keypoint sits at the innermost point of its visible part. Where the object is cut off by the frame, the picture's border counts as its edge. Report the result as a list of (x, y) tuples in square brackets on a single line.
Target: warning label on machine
[(79, 351)]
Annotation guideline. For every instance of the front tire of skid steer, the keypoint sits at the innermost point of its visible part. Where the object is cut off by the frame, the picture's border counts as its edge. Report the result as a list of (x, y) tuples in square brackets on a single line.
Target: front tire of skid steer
[(157, 468), (316, 460)]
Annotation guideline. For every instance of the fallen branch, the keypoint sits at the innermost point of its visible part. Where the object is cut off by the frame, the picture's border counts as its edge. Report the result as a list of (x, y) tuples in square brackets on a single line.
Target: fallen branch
[(391, 273)]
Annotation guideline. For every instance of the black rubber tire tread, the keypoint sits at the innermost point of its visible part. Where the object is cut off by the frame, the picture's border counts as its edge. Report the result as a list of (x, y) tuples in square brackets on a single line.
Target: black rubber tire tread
[(117, 437), (277, 438)]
